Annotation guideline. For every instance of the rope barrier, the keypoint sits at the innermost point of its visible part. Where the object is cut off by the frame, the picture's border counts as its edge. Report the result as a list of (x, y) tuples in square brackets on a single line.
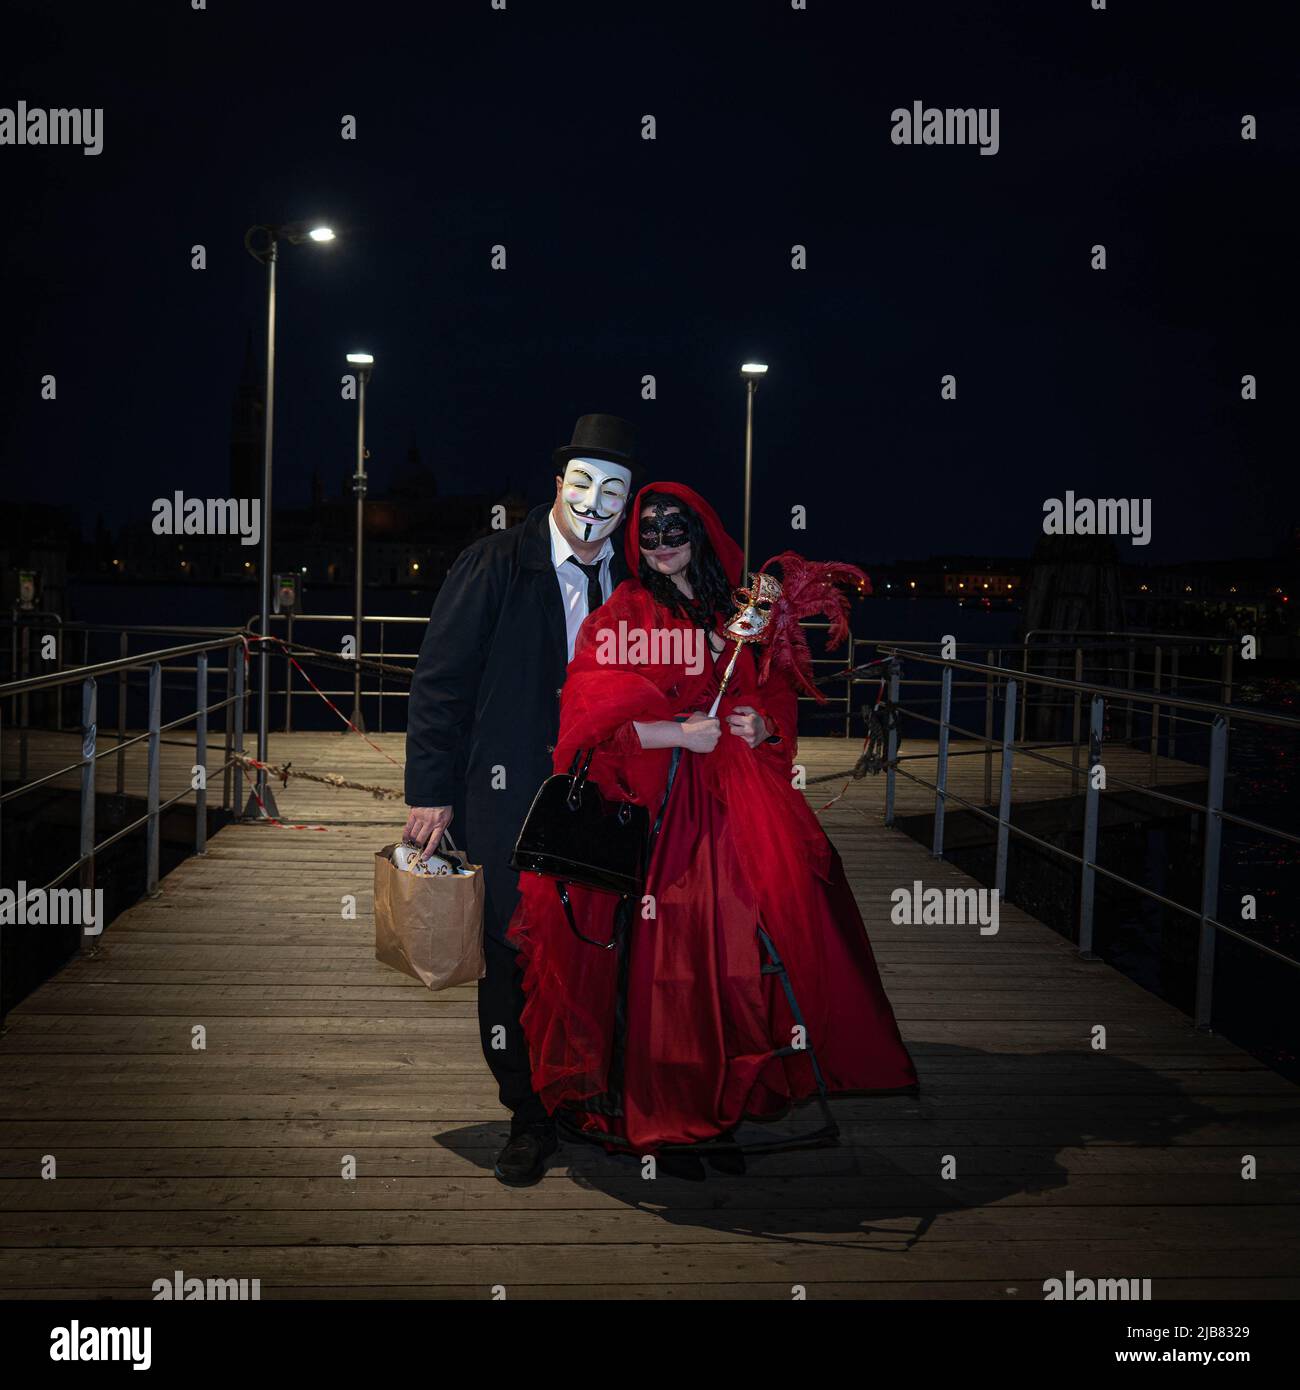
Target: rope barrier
[(283, 771), (248, 641)]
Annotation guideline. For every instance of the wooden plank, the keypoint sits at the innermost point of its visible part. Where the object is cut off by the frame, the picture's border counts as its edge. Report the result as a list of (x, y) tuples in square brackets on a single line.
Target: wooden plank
[(226, 1161)]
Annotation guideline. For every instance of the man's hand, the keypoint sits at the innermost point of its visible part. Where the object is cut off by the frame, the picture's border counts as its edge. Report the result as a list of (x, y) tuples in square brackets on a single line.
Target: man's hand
[(425, 826), (747, 723)]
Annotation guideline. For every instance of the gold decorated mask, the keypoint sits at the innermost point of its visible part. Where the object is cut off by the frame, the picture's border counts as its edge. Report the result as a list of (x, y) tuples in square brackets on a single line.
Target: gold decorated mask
[(754, 609)]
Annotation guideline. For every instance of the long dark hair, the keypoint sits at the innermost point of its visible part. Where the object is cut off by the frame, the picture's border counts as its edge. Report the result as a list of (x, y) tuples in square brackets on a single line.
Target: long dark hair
[(705, 574)]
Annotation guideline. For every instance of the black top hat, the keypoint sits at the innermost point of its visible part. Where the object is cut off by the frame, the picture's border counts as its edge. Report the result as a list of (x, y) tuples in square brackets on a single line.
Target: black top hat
[(600, 437)]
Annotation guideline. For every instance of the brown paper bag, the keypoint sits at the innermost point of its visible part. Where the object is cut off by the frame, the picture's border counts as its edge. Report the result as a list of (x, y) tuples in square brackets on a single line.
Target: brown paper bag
[(429, 926)]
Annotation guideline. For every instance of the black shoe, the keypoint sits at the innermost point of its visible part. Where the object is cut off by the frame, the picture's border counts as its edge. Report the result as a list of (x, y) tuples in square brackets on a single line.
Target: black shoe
[(679, 1165), (726, 1160), (523, 1160)]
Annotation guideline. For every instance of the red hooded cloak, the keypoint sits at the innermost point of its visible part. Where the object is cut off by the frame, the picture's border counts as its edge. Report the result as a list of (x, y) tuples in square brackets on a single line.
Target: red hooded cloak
[(700, 1024)]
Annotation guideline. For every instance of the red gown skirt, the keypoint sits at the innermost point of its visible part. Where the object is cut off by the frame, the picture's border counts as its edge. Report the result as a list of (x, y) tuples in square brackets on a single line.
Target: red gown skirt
[(686, 1035)]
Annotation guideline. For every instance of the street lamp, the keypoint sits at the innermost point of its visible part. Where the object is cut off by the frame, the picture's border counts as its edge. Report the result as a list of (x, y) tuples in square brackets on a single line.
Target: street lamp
[(264, 249), (363, 362), (751, 371)]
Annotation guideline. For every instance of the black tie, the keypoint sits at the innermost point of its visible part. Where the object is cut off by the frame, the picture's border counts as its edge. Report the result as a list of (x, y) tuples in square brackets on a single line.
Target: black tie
[(594, 595)]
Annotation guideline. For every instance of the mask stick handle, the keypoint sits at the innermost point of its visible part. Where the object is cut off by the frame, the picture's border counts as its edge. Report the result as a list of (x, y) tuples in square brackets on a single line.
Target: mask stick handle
[(731, 666)]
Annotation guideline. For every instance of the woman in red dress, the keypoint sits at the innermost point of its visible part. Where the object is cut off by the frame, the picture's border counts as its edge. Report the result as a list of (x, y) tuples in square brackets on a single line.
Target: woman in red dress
[(692, 1025)]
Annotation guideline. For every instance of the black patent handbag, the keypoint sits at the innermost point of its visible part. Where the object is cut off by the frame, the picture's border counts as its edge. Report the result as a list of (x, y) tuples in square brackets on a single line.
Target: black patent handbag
[(574, 834)]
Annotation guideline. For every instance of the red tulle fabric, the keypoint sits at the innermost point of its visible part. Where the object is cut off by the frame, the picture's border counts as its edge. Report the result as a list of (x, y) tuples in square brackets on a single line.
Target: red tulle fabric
[(739, 848)]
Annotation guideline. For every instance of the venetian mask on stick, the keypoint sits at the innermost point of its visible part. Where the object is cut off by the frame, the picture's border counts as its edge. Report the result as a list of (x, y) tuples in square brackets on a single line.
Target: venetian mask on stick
[(769, 612), (750, 622)]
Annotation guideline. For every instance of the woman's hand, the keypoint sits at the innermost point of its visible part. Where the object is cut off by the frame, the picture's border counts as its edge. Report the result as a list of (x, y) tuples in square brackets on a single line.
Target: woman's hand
[(700, 733), (747, 723)]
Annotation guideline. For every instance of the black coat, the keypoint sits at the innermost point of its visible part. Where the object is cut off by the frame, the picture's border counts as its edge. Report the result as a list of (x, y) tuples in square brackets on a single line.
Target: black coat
[(485, 697)]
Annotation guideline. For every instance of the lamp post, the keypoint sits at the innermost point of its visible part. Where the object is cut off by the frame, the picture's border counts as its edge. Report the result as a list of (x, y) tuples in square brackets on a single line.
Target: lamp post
[(261, 801), (751, 371), (363, 362)]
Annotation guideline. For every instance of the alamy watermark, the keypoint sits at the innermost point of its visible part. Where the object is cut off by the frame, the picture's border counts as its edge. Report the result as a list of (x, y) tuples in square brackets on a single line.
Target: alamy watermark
[(178, 1288), (53, 907), (39, 125), (1098, 516), (656, 646), (179, 515), (948, 125), (945, 907)]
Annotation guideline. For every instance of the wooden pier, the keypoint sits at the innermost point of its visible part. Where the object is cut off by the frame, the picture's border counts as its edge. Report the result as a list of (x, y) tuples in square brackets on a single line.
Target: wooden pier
[(228, 1161)]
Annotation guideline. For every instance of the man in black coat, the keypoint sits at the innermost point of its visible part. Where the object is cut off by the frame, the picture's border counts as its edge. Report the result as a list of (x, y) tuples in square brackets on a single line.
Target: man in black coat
[(484, 715)]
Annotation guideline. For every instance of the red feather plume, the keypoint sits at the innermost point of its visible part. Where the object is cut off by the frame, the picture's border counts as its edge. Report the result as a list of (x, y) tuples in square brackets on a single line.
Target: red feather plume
[(809, 589)]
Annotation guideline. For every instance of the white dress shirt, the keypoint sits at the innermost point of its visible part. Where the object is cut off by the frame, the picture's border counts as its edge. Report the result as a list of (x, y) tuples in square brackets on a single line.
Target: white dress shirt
[(573, 583)]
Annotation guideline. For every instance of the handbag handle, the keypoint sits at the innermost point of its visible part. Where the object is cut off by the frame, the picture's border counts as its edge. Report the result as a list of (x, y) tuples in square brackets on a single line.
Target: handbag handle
[(578, 778), (562, 887)]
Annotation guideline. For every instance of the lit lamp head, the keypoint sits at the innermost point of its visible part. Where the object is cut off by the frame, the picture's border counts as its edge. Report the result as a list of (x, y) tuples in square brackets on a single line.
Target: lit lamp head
[(753, 372), (362, 360), (754, 606), (298, 232)]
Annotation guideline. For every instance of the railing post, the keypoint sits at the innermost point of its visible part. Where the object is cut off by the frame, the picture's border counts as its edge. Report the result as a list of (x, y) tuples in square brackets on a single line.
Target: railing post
[(1173, 690), (891, 742), (1077, 701), (86, 842), (381, 674), (848, 691), (155, 751), (941, 771), (1210, 872), (288, 676), (228, 728), (1155, 716), (1091, 813), (57, 692), (988, 732), (201, 754), (238, 707), (1004, 799), (1132, 674), (122, 649), (24, 707), (2, 730)]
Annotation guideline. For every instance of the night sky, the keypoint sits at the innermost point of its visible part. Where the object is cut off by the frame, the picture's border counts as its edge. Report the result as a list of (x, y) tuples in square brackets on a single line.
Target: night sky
[(628, 257)]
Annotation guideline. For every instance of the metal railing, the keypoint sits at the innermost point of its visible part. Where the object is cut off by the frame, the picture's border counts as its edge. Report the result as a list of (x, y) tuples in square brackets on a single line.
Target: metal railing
[(347, 621), (1213, 715), (88, 678)]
